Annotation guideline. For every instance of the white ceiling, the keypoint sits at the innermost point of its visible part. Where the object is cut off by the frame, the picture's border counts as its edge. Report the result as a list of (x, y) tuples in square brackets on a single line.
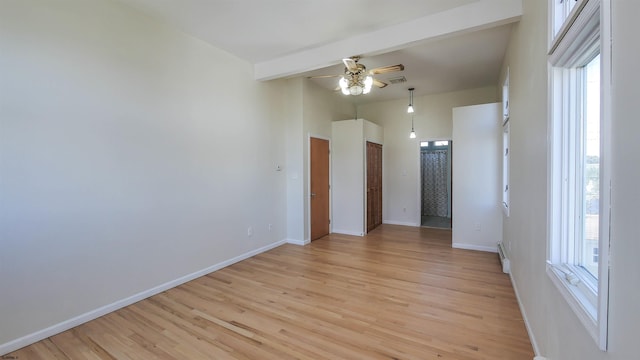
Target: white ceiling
[(464, 61), (445, 45)]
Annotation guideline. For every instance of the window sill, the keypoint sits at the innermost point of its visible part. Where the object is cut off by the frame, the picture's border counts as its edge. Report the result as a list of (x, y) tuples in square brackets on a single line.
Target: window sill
[(578, 300)]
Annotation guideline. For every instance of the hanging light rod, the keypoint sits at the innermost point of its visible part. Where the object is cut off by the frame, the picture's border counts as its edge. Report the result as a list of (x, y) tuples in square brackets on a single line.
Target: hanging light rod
[(410, 108)]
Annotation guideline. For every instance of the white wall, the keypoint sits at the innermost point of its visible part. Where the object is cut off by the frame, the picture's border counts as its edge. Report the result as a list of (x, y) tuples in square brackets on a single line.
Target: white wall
[(558, 334), (321, 107), (401, 155), (373, 133), (294, 168), (347, 169), (131, 155), (477, 211), (524, 232)]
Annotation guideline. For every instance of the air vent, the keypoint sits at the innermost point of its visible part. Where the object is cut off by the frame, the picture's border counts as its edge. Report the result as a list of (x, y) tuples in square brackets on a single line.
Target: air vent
[(398, 80)]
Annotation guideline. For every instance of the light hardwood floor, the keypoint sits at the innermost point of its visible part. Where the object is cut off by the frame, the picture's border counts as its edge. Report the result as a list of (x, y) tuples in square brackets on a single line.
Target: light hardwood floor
[(398, 293)]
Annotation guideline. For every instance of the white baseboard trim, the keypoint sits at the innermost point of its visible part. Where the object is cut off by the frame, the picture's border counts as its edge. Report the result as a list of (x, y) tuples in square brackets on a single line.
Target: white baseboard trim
[(492, 249), (532, 338), (297, 242), (347, 232), (29, 339), (391, 222)]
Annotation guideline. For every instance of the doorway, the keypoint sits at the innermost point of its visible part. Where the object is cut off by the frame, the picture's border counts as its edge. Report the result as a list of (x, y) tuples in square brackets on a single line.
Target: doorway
[(435, 183), (319, 187)]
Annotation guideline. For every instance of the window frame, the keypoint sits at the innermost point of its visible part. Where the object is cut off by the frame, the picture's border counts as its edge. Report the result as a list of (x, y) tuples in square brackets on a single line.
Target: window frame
[(561, 11), (585, 32), (505, 97)]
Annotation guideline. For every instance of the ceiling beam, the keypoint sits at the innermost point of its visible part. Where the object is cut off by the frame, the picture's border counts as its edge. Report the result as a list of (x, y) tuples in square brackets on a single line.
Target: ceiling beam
[(479, 15)]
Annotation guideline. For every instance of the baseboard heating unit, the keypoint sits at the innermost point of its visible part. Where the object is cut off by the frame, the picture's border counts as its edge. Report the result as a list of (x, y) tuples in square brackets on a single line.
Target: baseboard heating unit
[(506, 267)]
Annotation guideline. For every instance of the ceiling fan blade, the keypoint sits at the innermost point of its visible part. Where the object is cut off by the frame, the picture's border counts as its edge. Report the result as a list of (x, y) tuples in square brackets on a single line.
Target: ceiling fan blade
[(379, 83), (387, 69), (350, 64), (322, 76)]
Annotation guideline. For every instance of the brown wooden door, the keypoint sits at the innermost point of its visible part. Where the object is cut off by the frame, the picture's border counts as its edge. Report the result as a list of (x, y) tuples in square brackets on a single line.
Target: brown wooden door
[(319, 196), (374, 185)]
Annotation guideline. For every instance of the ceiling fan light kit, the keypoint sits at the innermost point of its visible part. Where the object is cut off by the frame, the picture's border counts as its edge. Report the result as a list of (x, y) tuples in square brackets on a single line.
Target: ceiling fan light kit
[(356, 80), (356, 85)]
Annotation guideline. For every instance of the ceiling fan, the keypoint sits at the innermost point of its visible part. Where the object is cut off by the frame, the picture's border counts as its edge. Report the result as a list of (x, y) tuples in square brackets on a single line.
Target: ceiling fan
[(356, 79)]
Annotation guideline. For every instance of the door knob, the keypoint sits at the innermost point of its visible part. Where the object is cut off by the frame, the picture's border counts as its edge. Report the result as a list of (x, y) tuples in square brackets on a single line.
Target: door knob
[(313, 194)]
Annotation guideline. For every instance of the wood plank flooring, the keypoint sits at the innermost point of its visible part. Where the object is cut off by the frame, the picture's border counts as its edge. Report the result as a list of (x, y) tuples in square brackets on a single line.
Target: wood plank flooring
[(398, 293)]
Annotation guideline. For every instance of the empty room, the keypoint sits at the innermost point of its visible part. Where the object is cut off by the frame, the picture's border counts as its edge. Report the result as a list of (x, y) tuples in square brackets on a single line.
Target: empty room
[(356, 179)]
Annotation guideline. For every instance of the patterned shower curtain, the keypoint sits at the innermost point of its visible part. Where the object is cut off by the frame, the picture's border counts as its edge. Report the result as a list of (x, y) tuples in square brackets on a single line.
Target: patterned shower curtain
[(435, 197)]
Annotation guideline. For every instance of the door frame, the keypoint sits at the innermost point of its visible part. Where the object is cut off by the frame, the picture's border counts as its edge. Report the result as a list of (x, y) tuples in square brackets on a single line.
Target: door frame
[(419, 189), (307, 192)]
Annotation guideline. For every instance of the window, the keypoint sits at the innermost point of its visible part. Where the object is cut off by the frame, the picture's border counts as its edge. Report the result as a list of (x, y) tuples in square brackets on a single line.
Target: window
[(505, 98), (437, 143), (505, 145), (505, 168), (578, 240), (590, 168)]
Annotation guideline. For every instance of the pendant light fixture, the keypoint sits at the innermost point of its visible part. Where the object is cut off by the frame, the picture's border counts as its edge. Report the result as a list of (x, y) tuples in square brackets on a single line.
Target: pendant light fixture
[(412, 134), (410, 108)]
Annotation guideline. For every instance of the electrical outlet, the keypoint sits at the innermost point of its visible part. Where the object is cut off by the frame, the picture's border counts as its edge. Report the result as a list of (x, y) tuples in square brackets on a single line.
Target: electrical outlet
[(270, 227), (249, 231), (478, 227)]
